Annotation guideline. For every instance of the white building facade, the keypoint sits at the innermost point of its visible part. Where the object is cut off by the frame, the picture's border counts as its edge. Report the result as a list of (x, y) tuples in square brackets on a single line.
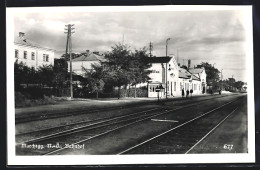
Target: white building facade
[(85, 61), (165, 71), (31, 53)]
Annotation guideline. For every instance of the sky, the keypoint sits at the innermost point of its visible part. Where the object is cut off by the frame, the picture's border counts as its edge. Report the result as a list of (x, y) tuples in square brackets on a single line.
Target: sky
[(216, 37)]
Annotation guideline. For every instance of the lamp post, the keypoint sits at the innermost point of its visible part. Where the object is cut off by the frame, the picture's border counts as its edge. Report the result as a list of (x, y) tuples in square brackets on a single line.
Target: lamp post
[(232, 83), (166, 67), (221, 80)]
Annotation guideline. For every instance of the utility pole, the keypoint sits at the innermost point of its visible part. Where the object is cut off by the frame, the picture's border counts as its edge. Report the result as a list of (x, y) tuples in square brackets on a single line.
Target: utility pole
[(167, 68), (232, 83), (69, 48), (150, 49), (221, 80)]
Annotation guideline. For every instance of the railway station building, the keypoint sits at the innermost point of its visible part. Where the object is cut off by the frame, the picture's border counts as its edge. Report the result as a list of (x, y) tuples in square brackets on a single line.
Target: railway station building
[(31, 53), (165, 71)]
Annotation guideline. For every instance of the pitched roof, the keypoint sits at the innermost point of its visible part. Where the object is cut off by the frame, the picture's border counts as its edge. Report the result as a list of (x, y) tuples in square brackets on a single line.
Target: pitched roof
[(183, 73), (89, 57), (196, 70), (158, 59), (195, 77), (24, 41)]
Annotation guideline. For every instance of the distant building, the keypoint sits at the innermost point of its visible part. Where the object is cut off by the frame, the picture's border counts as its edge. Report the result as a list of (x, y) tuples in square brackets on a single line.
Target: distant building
[(85, 60), (31, 53), (177, 78), (201, 73)]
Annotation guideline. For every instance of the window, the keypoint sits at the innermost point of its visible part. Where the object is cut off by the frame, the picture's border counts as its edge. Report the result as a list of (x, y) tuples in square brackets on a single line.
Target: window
[(171, 86), (25, 54), (16, 53), (174, 86), (155, 71), (46, 57), (180, 87), (33, 55)]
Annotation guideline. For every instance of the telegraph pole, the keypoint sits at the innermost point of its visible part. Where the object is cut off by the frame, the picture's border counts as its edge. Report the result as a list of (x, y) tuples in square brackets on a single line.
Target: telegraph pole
[(232, 83), (221, 80), (69, 48), (150, 49)]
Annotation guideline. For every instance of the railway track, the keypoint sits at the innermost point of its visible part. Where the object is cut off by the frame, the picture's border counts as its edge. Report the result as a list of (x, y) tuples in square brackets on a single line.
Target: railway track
[(184, 137), (77, 127), (44, 116), (34, 135), (90, 131), (66, 126)]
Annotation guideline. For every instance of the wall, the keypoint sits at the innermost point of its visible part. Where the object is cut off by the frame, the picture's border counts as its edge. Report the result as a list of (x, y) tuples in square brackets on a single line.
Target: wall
[(157, 71), (38, 59), (173, 74), (77, 66)]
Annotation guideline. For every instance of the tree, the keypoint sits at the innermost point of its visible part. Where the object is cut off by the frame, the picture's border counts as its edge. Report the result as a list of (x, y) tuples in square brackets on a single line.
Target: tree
[(95, 78), (24, 74), (212, 72), (117, 62), (46, 75), (60, 70), (138, 66), (212, 75), (239, 84)]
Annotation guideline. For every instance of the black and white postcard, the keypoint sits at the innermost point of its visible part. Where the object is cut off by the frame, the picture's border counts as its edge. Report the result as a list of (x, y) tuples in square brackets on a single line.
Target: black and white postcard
[(130, 85)]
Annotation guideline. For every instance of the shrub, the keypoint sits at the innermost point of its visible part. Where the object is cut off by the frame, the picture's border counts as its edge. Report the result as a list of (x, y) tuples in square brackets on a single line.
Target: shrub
[(22, 100)]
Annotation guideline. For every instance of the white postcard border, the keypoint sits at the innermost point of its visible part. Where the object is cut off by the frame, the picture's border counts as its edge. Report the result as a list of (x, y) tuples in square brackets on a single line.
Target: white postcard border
[(128, 159)]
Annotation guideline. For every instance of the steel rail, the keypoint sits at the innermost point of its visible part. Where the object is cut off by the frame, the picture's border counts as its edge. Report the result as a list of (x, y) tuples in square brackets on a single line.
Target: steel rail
[(31, 117), (101, 134), (82, 128), (210, 131), (89, 126), (174, 128), (89, 121)]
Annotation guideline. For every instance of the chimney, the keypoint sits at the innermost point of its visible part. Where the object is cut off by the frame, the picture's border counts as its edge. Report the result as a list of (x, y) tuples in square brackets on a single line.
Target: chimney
[(21, 34), (96, 52), (189, 63)]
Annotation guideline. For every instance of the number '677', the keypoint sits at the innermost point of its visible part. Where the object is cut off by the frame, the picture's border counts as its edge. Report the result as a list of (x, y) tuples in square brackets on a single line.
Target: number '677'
[(228, 146)]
